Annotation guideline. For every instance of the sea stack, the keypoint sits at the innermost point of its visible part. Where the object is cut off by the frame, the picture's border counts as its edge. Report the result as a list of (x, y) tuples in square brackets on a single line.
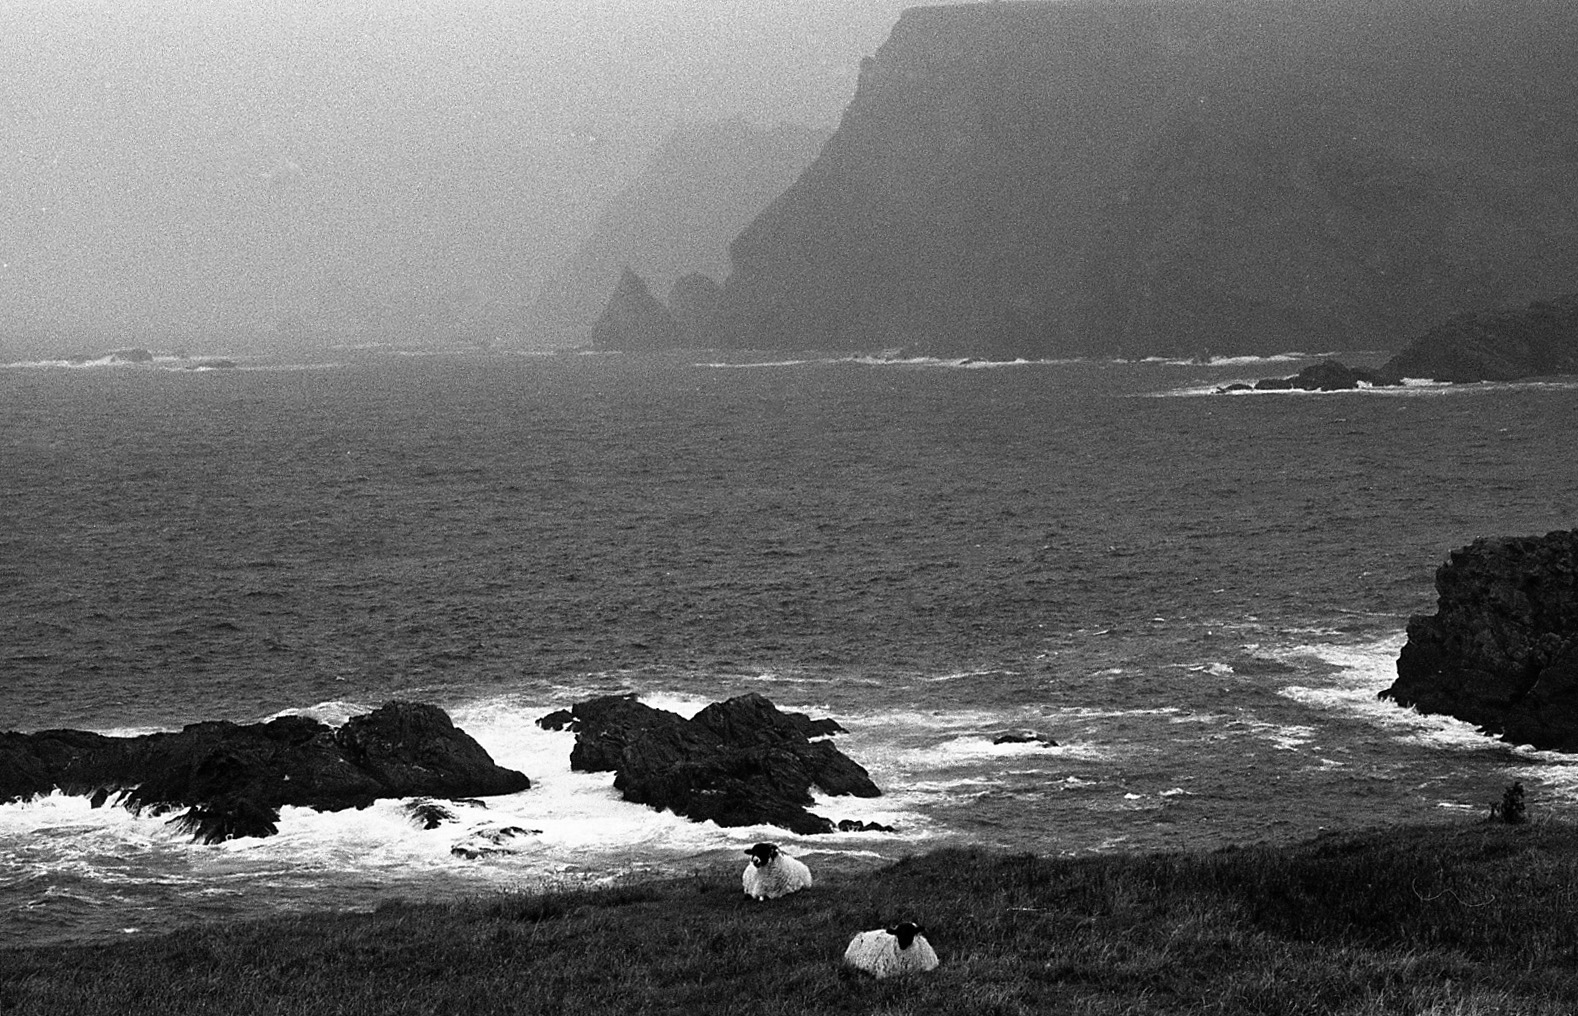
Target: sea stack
[(634, 319), (1166, 177), (1501, 651)]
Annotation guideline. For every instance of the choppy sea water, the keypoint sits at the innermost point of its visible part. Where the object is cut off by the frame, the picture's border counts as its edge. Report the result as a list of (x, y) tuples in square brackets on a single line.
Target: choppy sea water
[(1196, 595)]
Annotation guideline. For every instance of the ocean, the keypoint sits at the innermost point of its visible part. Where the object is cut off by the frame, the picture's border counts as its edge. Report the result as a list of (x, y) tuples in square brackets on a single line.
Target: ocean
[(1196, 595)]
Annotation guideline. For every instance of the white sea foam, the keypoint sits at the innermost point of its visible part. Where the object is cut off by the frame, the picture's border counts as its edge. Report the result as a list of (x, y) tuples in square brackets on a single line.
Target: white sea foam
[(1365, 670)]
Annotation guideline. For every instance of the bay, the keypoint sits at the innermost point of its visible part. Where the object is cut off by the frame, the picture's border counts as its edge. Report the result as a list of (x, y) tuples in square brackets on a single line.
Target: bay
[(1196, 595)]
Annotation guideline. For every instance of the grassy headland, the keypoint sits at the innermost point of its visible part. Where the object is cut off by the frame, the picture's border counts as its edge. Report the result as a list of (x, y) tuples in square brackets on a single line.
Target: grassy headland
[(1474, 918)]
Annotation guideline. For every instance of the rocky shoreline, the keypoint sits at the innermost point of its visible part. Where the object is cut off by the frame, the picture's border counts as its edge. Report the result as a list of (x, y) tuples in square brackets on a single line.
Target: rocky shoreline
[(1501, 651), (1540, 340), (738, 763)]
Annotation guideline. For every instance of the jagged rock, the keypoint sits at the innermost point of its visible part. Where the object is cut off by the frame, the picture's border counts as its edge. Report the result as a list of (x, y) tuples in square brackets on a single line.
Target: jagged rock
[(489, 840), (233, 778), (1326, 376), (1024, 737), (739, 762), (634, 319), (428, 814), (1501, 651), (849, 825), (695, 193), (1154, 178), (695, 300), (1540, 339)]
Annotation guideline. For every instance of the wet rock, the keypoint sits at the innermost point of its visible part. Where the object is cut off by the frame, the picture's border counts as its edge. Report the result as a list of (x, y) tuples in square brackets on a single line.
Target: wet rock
[(490, 840), (1501, 651), (1024, 737), (739, 762), (232, 779), (1326, 376), (850, 825), (428, 814)]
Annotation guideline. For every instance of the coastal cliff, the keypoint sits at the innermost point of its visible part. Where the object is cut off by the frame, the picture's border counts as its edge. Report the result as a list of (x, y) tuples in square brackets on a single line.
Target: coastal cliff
[(694, 194), (1540, 339), (1137, 177), (1501, 651)]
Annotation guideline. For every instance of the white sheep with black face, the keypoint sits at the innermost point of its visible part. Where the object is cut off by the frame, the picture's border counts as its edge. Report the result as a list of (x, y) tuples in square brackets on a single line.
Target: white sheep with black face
[(888, 952), (773, 873)]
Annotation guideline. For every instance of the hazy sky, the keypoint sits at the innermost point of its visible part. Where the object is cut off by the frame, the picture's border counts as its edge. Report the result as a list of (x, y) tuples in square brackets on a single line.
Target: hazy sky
[(172, 170)]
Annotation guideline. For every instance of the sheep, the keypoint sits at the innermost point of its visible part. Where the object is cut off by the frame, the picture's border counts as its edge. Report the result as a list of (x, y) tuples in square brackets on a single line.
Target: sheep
[(888, 952), (773, 873)]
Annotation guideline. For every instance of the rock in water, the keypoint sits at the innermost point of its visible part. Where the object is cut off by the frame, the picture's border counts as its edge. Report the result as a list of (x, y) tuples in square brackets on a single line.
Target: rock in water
[(739, 762), (1501, 651), (234, 778), (634, 319)]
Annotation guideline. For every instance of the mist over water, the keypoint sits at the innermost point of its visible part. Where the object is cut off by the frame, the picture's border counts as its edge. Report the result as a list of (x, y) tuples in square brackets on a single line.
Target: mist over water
[(1196, 597), (191, 174)]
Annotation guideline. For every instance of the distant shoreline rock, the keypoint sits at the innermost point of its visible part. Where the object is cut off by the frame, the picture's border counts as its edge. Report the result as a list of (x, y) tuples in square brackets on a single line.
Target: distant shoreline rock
[(233, 779), (1326, 376), (634, 319), (1538, 340), (1501, 651), (740, 762)]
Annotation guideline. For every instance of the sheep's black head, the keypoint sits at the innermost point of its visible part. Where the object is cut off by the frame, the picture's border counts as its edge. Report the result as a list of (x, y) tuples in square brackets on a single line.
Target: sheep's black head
[(905, 933), (762, 853)]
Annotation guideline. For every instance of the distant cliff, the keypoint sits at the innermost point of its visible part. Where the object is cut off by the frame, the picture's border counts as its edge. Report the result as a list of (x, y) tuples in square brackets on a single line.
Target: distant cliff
[(1125, 177), (1498, 346), (694, 195)]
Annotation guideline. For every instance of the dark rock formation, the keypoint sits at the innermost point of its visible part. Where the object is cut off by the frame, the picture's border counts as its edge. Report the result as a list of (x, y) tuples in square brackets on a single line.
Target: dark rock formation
[(1165, 176), (488, 840), (1501, 651), (634, 319), (1326, 376), (695, 301), (1024, 737), (1538, 340), (693, 196), (737, 763), (233, 779)]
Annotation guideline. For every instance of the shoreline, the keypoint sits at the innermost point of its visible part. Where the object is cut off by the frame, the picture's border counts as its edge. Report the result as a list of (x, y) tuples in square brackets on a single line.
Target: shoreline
[(1463, 917)]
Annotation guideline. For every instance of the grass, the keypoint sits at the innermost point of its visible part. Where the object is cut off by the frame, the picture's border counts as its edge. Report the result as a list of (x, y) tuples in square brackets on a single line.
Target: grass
[(1464, 920)]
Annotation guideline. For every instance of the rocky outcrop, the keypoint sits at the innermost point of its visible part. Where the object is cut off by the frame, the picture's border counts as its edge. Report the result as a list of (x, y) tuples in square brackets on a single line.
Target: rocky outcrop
[(737, 763), (1501, 651), (634, 319), (692, 197), (1166, 177), (232, 779), (1540, 339), (1326, 376)]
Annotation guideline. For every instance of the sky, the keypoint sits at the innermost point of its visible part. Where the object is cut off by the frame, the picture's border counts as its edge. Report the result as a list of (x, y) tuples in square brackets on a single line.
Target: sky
[(212, 172)]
